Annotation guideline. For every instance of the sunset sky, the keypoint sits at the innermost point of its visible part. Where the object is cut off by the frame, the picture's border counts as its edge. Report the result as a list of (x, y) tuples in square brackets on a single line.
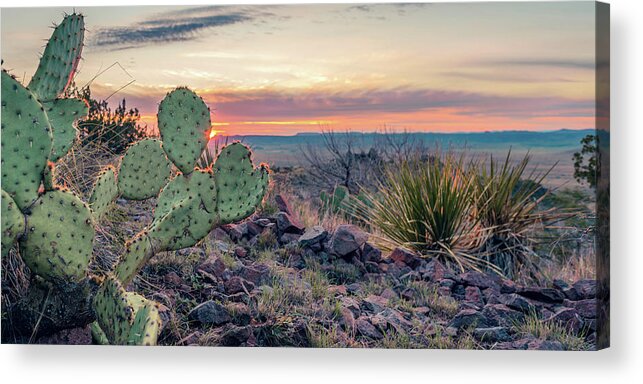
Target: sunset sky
[(288, 69)]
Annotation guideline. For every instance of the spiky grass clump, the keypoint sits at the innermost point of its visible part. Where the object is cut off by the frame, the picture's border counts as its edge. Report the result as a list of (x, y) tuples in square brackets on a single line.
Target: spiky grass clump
[(508, 200), (429, 207)]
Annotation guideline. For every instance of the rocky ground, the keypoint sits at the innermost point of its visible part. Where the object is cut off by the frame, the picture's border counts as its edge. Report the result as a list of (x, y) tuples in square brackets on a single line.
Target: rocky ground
[(271, 282)]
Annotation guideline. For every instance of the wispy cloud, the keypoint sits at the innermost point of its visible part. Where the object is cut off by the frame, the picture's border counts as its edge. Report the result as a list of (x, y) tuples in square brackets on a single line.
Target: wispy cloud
[(180, 25), (539, 62), (269, 104)]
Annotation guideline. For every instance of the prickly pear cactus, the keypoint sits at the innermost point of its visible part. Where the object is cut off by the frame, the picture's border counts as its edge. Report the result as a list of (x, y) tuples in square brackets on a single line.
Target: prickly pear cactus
[(60, 233), (186, 211), (240, 186), (61, 57), (104, 193), (13, 222), (63, 115), (184, 124), (125, 317), (144, 170), (55, 229), (26, 142)]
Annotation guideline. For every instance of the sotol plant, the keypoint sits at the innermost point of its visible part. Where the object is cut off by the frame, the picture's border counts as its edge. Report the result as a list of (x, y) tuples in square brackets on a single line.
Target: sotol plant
[(53, 228)]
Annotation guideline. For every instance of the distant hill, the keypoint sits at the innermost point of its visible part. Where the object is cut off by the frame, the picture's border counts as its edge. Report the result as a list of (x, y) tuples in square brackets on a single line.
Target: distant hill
[(564, 138), (285, 150)]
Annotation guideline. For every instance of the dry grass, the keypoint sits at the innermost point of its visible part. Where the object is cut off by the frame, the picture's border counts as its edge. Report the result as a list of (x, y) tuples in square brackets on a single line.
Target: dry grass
[(552, 331)]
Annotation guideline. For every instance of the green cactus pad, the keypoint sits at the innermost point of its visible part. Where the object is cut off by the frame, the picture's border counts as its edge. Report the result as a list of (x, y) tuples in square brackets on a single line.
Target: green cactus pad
[(184, 123), (60, 59), (63, 114), (104, 192), (26, 142), (59, 236), (125, 317), (144, 170), (13, 222), (137, 252), (186, 211), (114, 314), (240, 187), (147, 321), (48, 177), (98, 335)]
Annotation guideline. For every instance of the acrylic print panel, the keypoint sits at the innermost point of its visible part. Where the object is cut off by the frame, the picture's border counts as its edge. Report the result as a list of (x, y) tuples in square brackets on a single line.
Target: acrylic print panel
[(329, 176)]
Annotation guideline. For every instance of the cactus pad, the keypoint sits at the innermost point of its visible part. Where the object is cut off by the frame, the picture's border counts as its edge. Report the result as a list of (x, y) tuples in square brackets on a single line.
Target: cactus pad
[(26, 142), (125, 317), (144, 170), (240, 187), (185, 211), (62, 114), (113, 313), (13, 222), (184, 124), (60, 59), (137, 253), (147, 321), (104, 192), (59, 236)]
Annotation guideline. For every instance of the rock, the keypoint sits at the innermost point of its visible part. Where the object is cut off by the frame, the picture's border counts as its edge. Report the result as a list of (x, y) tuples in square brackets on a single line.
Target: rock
[(288, 238), (393, 270), (73, 336), (585, 289), (213, 266), (517, 302), (371, 254), (569, 318), (313, 236), (282, 204), (236, 231), (240, 313), (352, 305), (520, 344), (473, 295), (585, 308), (257, 274), (238, 284), (435, 271), (545, 345), (470, 317), (240, 252), (374, 303), (288, 224), (500, 314), (253, 228), (219, 234), (347, 319), (172, 278), (492, 335), (346, 239), (407, 257), (379, 322), (507, 286), (366, 329), (337, 290), (389, 294), (545, 295), (263, 222), (236, 336), (479, 279), (210, 312)]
